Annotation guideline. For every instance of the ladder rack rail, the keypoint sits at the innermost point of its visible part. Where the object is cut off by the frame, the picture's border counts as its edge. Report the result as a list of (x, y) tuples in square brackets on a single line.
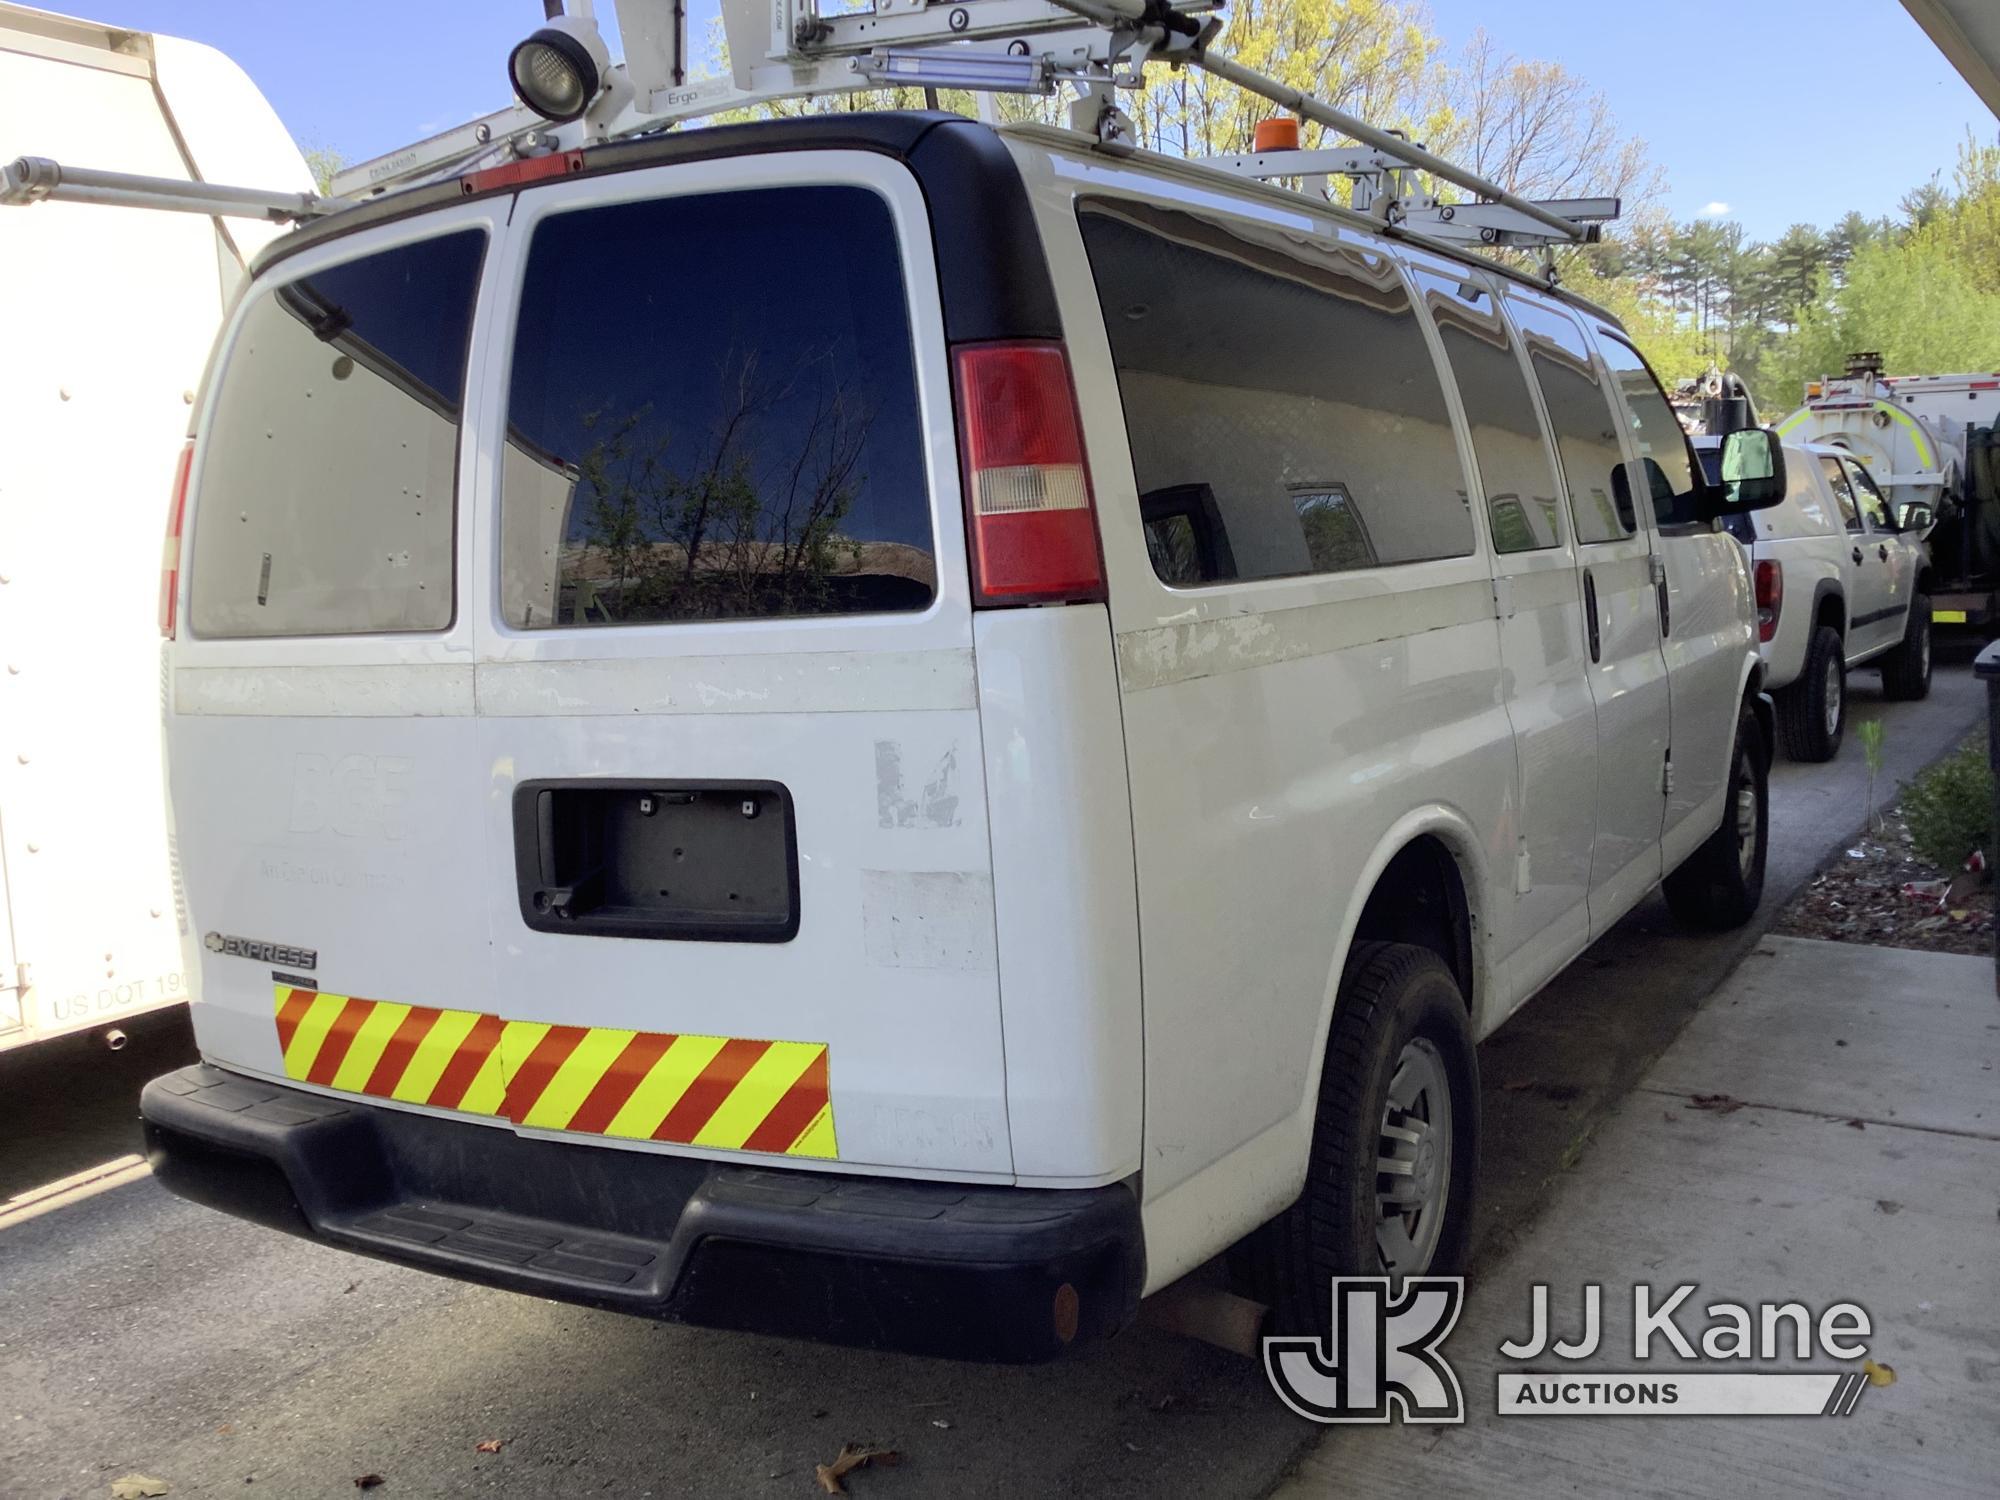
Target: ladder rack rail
[(783, 49)]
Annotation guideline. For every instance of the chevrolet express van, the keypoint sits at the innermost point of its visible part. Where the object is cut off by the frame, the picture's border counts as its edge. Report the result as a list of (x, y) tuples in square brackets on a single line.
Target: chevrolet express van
[(875, 728)]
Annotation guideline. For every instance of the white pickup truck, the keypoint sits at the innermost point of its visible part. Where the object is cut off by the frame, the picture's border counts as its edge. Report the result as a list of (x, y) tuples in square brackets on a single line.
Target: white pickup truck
[(1839, 585)]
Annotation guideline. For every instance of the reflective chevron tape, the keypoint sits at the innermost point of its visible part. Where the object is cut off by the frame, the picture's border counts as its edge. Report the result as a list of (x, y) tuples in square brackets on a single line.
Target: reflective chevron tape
[(726, 1092)]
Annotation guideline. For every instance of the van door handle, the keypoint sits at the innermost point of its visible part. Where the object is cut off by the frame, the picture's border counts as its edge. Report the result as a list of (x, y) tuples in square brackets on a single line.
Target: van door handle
[(1857, 554), (1883, 552), (1590, 614)]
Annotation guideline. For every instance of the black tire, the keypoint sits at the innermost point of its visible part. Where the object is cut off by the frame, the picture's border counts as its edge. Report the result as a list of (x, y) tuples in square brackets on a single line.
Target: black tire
[(1812, 712), (1906, 671), (1394, 997), (1720, 884)]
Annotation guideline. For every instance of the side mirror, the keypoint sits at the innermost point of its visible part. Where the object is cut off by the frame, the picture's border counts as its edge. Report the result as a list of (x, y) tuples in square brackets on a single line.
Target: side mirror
[(1753, 474), (1918, 516)]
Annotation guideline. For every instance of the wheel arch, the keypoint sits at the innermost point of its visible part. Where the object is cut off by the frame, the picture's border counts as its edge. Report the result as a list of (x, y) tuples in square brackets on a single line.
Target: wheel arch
[(1424, 835), (1433, 849)]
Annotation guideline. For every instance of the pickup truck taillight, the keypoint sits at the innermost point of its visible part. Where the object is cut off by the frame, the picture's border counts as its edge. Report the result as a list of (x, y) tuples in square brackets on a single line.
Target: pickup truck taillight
[(1770, 598), (1030, 522), (170, 549)]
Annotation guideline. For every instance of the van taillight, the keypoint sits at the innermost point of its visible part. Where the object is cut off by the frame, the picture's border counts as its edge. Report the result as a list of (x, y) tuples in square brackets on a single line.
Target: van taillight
[(1030, 525), (1770, 598), (170, 549)]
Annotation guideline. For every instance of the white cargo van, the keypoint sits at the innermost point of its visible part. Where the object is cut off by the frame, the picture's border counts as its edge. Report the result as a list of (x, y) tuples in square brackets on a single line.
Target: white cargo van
[(878, 728), (111, 311)]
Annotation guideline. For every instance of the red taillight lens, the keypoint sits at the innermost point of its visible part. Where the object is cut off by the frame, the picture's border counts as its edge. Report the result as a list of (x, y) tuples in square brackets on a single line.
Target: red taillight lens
[(1032, 530), (1770, 598), (170, 549)]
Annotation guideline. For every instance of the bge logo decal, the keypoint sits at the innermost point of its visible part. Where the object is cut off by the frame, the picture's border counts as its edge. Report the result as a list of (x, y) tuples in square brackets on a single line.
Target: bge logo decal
[(1383, 1354)]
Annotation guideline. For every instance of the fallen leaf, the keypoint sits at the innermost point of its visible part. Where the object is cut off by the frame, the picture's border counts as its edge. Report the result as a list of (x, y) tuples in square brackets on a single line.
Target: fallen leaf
[(1879, 1375), (1720, 1104), (368, 1481), (852, 1456), (491, 1445), (137, 1487)]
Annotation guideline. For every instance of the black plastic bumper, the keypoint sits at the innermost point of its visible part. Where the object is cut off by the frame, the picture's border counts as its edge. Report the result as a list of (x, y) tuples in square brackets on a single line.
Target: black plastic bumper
[(996, 1273)]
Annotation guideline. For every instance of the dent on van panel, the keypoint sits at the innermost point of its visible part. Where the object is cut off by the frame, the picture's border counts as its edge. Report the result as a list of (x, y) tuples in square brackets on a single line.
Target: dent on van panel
[(928, 919)]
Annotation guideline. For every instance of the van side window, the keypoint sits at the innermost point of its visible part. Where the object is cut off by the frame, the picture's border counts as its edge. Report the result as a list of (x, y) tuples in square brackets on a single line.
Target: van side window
[(1580, 414), (1521, 487), (365, 360), (1666, 467), (1284, 412), (1843, 493), (1873, 506), (692, 436)]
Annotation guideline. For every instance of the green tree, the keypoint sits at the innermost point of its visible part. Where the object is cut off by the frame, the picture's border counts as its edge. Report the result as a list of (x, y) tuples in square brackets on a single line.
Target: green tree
[(323, 162), (1797, 259), (1917, 302)]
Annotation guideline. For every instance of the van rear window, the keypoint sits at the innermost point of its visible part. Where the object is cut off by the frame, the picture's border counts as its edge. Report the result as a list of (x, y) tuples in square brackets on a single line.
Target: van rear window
[(713, 415), (328, 473)]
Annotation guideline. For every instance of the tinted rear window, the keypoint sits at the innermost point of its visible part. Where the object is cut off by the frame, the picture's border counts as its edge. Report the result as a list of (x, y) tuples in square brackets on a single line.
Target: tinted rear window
[(713, 415), (328, 473), (1284, 413)]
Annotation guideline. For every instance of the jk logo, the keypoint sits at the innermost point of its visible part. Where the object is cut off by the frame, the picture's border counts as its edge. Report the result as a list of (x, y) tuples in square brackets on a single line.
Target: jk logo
[(1383, 1355)]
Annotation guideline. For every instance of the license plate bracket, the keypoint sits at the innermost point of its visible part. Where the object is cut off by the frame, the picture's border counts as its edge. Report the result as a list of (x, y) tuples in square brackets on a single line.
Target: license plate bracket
[(666, 860)]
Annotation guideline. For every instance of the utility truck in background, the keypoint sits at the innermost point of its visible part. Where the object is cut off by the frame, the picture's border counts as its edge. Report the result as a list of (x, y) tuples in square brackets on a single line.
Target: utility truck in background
[(110, 314), (1933, 444)]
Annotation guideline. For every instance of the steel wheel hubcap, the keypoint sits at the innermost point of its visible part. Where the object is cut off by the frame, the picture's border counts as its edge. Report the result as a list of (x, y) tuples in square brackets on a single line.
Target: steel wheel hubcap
[(1833, 693), (1413, 1161), (1746, 814)]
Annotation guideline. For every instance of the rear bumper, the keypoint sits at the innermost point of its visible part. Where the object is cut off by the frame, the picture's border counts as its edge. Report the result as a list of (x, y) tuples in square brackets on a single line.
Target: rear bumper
[(1009, 1274), (1962, 611)]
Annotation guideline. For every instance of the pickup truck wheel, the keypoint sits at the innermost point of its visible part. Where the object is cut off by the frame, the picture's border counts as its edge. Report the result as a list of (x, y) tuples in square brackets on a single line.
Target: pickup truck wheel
[(1812, 712), (1720, 884), (1395, 1147), (1906, 671)]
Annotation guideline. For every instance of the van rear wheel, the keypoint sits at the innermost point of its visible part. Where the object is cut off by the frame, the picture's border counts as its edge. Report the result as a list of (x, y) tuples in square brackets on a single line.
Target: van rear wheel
[(1395, 1147), (1720, 884)]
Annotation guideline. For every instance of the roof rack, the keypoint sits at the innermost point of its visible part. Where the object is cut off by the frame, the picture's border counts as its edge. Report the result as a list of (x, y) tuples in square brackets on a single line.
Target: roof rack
[(788, 49)]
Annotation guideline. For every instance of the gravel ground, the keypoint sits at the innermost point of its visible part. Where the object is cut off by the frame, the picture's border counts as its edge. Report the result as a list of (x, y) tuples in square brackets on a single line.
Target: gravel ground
[(1880, 890)]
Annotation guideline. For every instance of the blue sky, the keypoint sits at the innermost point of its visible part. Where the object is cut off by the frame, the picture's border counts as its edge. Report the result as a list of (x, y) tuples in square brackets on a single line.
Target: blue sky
[(1835, 104)]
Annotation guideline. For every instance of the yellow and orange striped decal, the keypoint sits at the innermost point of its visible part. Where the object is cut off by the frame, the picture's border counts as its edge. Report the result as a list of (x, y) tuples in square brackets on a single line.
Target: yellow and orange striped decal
[(726, 1092)]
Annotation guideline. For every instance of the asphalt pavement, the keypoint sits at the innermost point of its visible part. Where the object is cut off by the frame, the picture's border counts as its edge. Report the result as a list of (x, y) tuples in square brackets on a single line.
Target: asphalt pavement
[(141, 1334)]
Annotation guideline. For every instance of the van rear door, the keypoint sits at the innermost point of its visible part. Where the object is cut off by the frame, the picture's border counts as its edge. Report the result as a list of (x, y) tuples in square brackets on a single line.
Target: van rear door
[(324, 769), (726, 672), (705, 862)]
